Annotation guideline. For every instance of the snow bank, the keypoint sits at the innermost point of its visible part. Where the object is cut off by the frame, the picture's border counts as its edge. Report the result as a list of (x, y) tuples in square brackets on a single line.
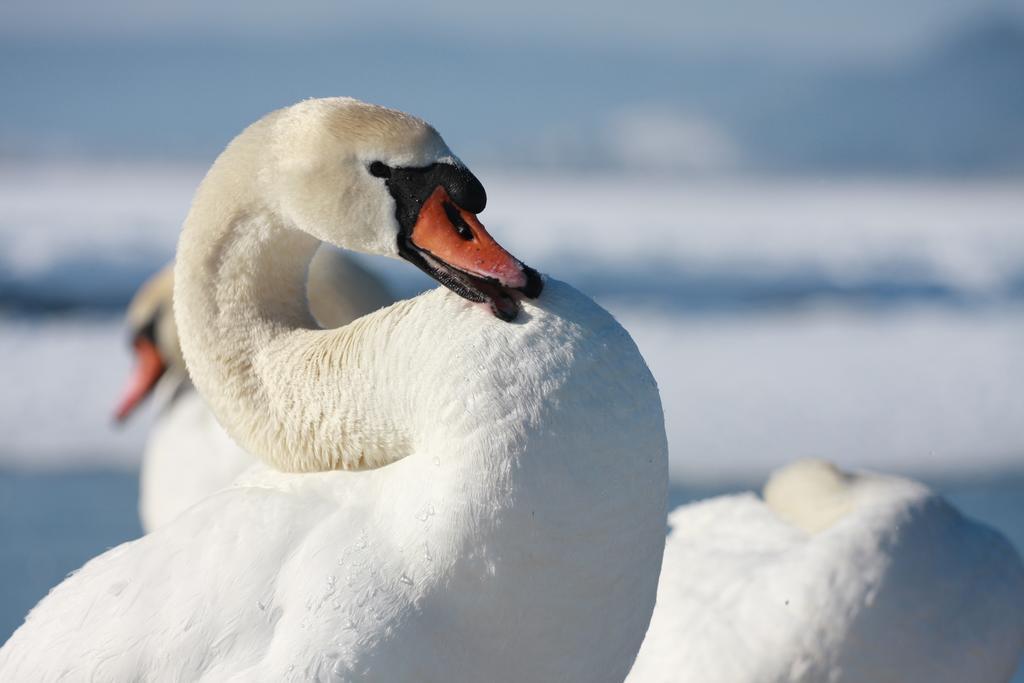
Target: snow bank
[(878, 324), (82, 236), (929, 392)]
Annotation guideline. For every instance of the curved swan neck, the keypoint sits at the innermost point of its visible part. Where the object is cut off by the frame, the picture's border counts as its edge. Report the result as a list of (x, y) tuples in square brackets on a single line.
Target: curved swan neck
[(262, 270), (301, 398)]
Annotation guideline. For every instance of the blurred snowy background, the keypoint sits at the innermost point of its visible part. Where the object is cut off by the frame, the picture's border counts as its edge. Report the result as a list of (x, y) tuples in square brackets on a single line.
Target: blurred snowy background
[(810, 216)]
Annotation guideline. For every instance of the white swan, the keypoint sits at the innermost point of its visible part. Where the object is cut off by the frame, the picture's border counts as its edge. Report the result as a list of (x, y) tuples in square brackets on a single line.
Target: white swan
[(845, 578), (509, 521), (188, 455)]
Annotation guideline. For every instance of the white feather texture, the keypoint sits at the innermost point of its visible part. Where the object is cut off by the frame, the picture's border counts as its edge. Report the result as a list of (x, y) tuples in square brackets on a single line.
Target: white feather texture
[(188, 455), (834, 577), (515, 533)]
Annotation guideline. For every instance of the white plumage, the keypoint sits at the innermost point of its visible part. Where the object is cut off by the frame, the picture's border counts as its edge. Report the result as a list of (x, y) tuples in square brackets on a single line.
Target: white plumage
[(188, 455), (834, 577), (508, 521)]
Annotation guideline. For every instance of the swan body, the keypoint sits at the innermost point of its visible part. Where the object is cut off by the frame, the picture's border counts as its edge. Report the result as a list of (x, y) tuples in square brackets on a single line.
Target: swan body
[(475, 561), (449, 497), (188, 455), (838, 577)]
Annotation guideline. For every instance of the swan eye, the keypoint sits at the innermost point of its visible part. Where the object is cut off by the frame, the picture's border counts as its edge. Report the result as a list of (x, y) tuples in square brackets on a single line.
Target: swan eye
[(379, 170), (455, 218)]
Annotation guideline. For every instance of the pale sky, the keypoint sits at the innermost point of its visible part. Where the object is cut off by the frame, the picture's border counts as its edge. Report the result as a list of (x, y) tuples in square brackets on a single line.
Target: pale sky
[(843, 29)]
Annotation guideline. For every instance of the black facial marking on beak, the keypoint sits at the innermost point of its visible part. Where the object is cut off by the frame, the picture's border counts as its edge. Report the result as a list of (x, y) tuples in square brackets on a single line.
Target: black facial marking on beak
[(439, 232), (411, 187), (150, 366), (148, 330)]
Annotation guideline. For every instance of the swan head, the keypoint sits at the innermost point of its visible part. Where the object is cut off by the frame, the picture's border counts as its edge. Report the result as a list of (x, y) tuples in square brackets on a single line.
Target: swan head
[(375, 180), (154, 340)]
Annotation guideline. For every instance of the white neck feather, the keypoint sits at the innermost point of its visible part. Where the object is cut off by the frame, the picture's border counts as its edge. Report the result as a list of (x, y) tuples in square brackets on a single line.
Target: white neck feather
[(542, 438), (302, 398)]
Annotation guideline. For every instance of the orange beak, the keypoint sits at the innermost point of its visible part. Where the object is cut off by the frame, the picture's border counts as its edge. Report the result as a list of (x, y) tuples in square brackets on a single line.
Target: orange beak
[(149, 368), (453, 247), (457, 237)]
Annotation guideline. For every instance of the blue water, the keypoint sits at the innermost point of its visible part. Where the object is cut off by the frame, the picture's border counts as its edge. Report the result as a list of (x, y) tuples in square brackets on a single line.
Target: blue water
[(51, 523), (955, 107), (105, 283)]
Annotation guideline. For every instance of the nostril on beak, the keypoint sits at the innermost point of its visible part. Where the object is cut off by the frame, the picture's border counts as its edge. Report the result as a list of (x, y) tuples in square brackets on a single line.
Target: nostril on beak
[(457, 221)]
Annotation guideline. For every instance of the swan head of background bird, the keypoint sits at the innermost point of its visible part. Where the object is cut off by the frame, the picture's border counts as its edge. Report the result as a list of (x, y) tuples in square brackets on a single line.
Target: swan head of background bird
[(379, 181), (154, 340)]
